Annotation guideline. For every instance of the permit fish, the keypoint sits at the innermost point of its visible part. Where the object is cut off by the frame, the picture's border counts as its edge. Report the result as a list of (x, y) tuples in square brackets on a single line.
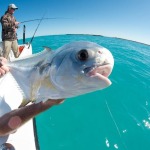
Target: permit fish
[(74, 69)]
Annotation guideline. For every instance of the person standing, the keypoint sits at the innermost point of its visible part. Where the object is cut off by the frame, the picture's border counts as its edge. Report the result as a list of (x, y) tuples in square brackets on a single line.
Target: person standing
[(9, 35)]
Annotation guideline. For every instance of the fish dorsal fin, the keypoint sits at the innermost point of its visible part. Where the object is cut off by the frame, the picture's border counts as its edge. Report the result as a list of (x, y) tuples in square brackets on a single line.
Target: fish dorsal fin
[(47, 48)]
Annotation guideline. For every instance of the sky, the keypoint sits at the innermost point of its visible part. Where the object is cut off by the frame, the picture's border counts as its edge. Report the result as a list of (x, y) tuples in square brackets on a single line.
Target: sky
[(127, 19)]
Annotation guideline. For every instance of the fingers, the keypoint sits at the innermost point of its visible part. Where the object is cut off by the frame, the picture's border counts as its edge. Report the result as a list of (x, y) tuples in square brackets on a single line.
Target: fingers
[(2, 72), (17, 23), (52, 102), (3, 68), (55, 102), (1, 64), (49, 103), (3, 60)]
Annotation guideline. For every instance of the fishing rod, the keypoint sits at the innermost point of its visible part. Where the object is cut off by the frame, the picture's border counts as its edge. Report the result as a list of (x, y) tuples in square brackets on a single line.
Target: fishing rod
[(36, 30), (43, 19)]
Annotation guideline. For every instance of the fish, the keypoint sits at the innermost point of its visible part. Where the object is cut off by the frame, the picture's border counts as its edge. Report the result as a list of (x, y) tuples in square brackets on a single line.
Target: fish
[(74, 69)]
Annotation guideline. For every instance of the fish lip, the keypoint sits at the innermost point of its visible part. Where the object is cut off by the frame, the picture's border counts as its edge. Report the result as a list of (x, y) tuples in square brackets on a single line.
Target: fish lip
[(101, 72)]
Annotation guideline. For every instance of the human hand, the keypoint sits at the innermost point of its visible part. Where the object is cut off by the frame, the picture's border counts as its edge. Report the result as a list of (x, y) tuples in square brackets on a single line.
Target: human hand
[(17, 23), (54, 102), (50, 102), (3, 68)]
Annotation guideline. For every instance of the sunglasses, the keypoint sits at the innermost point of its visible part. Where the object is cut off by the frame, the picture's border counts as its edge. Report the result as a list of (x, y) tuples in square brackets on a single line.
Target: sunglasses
[(13, 9)]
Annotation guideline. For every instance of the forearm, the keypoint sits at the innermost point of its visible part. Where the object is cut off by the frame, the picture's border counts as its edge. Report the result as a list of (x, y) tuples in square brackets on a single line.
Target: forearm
[(16, 118)]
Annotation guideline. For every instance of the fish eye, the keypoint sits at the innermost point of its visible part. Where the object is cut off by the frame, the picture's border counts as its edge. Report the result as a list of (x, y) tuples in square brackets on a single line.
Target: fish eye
[(83, 55)]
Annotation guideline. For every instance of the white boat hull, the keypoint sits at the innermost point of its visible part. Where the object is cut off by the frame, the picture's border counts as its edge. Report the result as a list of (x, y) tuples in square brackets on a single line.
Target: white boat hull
[(23, 138), (26, 52)]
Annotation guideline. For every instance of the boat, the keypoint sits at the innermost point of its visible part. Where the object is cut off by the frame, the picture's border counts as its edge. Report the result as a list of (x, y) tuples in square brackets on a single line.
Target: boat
[(24, 49), (25, 137)]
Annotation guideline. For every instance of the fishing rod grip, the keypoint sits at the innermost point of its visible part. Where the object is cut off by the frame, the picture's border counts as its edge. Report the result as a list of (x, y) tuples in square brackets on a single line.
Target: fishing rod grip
[(24, 30)]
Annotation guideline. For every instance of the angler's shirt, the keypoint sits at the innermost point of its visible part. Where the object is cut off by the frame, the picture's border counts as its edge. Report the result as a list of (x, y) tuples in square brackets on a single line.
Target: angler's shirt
[(8, 27)]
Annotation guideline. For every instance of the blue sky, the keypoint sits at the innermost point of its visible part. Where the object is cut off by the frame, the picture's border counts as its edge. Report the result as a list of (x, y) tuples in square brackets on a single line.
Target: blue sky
[(128, 19)]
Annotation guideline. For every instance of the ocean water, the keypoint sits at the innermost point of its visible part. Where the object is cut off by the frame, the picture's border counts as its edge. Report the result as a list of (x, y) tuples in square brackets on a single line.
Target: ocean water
[(114, 118)]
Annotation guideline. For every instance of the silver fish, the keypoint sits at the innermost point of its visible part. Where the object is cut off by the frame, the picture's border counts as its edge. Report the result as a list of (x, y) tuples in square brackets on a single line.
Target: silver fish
[(71, 70)]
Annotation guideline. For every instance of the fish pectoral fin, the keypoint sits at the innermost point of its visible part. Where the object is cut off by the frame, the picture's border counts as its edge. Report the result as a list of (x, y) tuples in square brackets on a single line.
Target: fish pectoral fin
[(47, 48)]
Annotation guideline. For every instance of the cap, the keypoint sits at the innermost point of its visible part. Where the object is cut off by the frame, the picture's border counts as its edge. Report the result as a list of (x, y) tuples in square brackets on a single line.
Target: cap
[(12, 6)]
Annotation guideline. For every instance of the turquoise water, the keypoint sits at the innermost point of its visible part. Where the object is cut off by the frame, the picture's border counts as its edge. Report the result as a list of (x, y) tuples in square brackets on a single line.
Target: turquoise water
[(115, 118)]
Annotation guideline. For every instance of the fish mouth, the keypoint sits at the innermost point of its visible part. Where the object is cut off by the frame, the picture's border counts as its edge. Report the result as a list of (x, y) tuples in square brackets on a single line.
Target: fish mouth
[(101, 72)]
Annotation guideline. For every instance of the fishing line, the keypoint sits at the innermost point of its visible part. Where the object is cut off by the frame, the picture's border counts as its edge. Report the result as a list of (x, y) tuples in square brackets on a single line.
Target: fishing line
[(111, 115), (43, 19), (113, 119), (39, 24)]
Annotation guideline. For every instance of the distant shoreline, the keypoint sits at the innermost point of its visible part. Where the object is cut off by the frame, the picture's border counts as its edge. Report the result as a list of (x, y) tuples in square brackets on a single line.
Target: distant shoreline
[(110, 37), (92, 35)]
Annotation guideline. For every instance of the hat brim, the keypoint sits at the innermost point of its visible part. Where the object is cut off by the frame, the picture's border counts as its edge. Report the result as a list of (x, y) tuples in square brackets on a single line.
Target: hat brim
[(14, 8)]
